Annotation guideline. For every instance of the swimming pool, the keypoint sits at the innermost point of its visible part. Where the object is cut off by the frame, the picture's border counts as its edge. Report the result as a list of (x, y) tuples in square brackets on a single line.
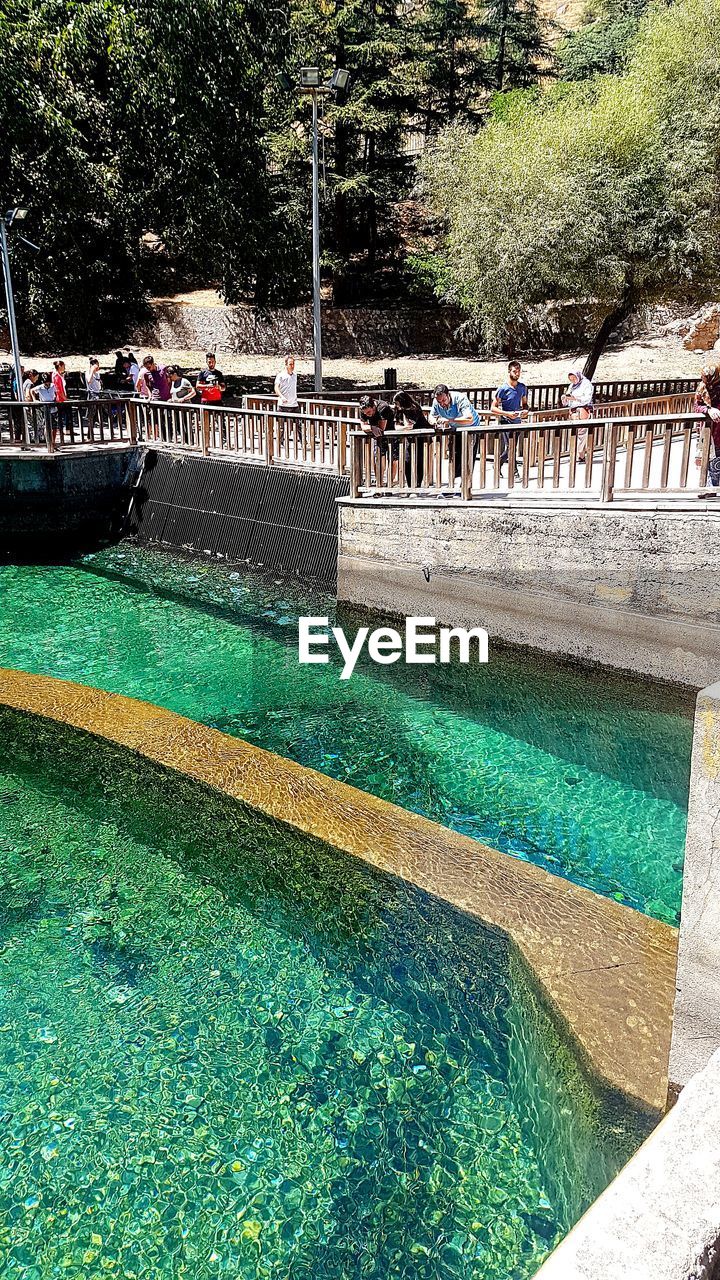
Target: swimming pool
[(227, 1049), (582, 772)]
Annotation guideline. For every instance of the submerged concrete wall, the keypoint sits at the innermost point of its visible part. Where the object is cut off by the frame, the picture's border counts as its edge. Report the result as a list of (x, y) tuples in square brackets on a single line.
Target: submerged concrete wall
[(628, 588), (696, 1026), (52, 502)]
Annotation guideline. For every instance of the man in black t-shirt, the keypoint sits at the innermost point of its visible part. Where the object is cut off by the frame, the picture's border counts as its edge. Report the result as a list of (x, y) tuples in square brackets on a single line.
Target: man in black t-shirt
[(375, 419), (211, 382)]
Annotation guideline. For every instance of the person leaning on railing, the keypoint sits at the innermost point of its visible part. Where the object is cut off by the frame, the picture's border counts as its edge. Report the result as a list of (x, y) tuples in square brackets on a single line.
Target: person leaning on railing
[(377, 417), (411, 414), (707, 402), (450, 410)]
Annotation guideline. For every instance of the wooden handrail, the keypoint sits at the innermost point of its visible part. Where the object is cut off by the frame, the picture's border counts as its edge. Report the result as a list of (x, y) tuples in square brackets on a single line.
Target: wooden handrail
[(570, 456)]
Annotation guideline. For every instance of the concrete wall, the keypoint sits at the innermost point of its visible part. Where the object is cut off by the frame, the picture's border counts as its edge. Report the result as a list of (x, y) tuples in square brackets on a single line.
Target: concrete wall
[(696, 1025), (660, 1218), (634, 589), (52, 502)]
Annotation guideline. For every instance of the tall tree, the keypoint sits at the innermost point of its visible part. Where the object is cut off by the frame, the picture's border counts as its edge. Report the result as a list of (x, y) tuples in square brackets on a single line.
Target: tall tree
[(452, 69), (615, 199), (519, 43)]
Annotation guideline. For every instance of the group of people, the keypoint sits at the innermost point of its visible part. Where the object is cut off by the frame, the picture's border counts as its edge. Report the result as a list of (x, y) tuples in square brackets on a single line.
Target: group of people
[(453, 409), (151, 381), (148, 380)]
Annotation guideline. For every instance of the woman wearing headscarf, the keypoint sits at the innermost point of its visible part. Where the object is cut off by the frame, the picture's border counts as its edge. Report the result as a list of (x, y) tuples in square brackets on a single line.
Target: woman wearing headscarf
[(707, 402), (579, 399)]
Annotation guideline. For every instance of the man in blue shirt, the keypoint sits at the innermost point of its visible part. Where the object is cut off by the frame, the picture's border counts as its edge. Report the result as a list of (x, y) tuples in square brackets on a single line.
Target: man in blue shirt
[(455, 409), (510, 403)]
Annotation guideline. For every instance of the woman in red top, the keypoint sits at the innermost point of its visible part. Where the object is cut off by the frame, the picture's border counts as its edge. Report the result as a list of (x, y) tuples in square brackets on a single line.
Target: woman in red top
[(64, 410)]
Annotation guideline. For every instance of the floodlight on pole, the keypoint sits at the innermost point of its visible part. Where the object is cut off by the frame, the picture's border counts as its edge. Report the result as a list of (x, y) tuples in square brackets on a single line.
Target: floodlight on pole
[(13, 215), (311, 82)]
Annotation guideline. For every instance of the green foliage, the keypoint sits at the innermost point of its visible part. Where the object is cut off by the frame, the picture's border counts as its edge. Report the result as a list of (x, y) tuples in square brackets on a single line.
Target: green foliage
[(123, 122), (603, 43), (606, 190), (155, 149), (428, 273)]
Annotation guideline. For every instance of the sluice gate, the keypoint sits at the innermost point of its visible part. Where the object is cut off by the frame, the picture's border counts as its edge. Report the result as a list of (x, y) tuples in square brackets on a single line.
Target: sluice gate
[(277, 518)]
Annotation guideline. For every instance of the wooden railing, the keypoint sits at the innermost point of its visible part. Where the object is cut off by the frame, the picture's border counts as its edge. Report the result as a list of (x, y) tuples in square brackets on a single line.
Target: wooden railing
[(317, 441), (543, 396), (75, 422), (617, 455), (629, 453)]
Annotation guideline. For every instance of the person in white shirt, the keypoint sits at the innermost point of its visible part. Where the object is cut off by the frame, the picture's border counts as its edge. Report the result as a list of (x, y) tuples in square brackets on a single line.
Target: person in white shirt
[(286, 385), (286, 392), (43, 392), (181, 388), (93, 381), (579, 399)]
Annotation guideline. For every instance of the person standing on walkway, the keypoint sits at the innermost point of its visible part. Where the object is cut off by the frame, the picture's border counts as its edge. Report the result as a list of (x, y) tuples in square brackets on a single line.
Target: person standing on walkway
[(579, 399), (44, 393), (510, 404), (287, 401), (286, 387), (450, 410), (159, 380), (707, 402), (211, 382), (64, 411), (30, 380)]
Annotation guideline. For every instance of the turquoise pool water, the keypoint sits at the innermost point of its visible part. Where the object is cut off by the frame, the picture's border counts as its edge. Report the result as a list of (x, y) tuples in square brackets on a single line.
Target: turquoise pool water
[(583, 773), (227, 1050)]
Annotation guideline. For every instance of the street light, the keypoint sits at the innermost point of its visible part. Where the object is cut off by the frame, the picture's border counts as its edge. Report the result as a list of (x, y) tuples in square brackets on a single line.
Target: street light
[(311, 82), (11, 217)]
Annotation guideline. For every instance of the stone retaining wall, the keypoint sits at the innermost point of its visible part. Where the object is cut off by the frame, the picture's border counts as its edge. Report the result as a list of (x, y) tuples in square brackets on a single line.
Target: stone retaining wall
[(629, 588)]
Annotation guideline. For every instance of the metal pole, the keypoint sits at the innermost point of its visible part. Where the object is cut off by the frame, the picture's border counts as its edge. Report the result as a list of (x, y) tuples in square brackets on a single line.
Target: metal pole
[(11, 309), (317, 333)]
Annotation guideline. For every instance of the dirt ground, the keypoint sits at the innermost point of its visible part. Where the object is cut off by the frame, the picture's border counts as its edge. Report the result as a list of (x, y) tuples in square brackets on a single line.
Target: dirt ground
[(663, 357)]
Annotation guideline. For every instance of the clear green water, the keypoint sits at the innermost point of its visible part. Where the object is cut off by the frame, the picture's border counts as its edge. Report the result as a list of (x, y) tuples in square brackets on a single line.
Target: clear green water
[(584, 773), (226, 1050)]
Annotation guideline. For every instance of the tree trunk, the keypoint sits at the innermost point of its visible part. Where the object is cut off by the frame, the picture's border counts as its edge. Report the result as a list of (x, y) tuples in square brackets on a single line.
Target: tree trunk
[(500, 70), (608, 326)]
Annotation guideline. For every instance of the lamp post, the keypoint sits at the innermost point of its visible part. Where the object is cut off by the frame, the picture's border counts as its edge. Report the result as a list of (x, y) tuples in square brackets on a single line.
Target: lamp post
[(311, 82), (6, 221)]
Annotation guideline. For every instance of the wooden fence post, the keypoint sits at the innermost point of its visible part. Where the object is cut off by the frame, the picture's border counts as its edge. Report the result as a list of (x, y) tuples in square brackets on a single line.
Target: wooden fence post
[(205, 432), (466, 467), (609, 458), (131, 410)]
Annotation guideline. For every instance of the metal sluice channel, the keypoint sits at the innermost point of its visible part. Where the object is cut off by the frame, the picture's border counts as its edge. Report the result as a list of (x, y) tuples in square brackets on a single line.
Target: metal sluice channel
[(271, 517)]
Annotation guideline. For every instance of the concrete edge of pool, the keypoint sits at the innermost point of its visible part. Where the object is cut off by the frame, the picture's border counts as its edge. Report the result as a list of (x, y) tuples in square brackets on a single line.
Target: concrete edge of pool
[(608, 970)]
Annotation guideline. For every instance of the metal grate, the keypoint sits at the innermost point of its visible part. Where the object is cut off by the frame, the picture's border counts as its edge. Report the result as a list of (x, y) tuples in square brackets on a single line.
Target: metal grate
[(272, 517)]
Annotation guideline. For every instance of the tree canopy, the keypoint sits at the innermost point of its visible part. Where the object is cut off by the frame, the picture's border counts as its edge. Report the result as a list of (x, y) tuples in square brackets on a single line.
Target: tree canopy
[(155, 149), (603, 190)]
